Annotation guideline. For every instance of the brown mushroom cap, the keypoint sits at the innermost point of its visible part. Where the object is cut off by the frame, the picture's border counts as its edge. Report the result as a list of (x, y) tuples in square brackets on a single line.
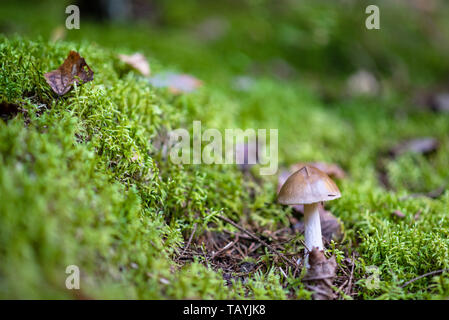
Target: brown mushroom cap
[(308, 185)]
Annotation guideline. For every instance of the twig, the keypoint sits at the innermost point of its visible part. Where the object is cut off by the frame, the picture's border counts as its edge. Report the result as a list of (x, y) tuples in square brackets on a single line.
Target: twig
[(226, 247), (190, 239), (252, 235), (431, 194), (432, 273), (349, 287)]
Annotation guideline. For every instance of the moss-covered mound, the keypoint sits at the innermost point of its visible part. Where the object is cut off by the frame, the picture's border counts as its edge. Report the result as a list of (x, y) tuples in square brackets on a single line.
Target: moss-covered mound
[(85, 179)]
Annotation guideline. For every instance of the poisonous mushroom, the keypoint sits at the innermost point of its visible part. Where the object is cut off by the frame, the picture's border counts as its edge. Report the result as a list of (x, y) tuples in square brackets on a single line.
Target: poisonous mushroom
[(309, 186)]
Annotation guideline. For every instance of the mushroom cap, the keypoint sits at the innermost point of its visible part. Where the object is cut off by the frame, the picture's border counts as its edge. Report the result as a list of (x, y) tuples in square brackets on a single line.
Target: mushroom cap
[(308, 185)]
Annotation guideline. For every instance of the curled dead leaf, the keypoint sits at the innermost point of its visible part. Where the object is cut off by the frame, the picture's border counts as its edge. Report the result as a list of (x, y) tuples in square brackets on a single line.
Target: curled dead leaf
[(138, 62), (320, 275), (58, 33), (331, 169), (176, 83), (399, 214), (419, 145), (73, 70)]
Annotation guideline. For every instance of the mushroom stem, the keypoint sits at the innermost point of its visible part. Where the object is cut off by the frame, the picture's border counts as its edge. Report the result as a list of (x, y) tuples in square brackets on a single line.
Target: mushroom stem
[(312, 228)]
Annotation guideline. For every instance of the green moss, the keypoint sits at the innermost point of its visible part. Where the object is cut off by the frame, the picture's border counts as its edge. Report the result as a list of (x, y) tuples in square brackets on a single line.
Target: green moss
[(83, 180)]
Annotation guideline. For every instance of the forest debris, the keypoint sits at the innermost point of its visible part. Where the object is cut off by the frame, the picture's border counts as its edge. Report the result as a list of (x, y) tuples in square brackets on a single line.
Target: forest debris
[(243, 83), (363, 83), (417, 215), (433, 194), (58, 33), (252, 235), (432, 273), (138, 62), (73, 70), (320, 275), (190, 238), (439, 102), (331, 169), (249, 152), (212, 28), (425, 146), (399, 214), (176, 83)]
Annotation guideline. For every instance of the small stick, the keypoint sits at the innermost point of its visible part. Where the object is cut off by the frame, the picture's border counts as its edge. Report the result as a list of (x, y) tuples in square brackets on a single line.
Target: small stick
[(349, 287), (226, 247), (255, 238), (190, 239), (432, 273)]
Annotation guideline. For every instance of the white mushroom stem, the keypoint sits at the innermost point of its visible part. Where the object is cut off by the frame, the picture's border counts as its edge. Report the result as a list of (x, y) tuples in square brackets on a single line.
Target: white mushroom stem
[(312, 228)]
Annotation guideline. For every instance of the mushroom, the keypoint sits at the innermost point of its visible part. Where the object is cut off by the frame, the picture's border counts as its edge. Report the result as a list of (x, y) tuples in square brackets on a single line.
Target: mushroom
[(309, 186)]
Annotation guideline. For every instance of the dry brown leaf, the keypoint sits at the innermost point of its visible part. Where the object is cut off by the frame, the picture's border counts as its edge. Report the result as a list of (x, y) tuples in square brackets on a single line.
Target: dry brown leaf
[(58, 34), (320, 275), (138, 62), (423, 146), (74, 69), (176, 83), (399, 214), (331, 169)]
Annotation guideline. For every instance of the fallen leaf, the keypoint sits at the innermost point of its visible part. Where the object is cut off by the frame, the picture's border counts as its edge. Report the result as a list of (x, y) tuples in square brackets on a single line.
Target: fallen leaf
[(58, 34), (138, 62), (331, 169), (212, 29), (428, 6), (419, 145), (433, 194), (249, 152), (399, 214), (176, 83), (320, 275), (439, 102), (73, 70), (417, 215), (363, 83), (242, 83)]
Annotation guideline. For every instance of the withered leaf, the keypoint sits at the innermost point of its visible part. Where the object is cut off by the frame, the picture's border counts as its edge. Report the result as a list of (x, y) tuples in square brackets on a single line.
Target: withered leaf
[(440, 102), (399, 214), (176, 83), (331, 169), (138, 62), (249, 152), (419, 145), (58, 33), (74, 69), (320, 275), (363, 83)]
